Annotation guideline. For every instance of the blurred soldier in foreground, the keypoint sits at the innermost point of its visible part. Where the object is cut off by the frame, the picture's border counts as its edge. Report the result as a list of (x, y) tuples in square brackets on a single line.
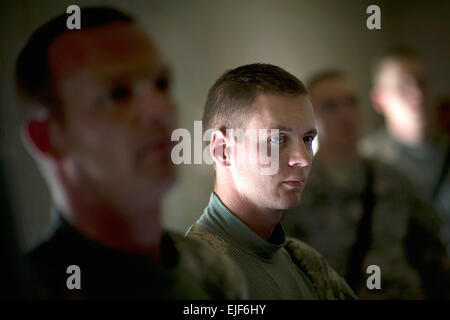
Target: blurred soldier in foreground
[(243, 214), (411, 140), (98, 122), (359, 212)]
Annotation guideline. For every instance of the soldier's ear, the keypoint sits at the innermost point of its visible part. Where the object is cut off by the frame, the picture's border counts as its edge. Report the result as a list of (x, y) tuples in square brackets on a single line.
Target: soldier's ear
[(43, 136), (35, 135), (219, 148)]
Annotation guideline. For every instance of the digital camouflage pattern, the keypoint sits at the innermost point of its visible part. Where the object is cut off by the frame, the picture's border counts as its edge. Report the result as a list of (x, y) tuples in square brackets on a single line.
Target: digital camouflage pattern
[(427, 167), (404, 231), (215, 271), (327, 283)]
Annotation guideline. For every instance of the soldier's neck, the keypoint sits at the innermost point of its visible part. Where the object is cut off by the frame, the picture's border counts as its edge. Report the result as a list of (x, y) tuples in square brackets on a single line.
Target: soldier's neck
[(136, 229), (260, 221), (412, 133)]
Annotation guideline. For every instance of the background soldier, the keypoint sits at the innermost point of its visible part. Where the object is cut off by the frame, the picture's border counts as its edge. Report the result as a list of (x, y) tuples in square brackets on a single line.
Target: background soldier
[(360, 212)]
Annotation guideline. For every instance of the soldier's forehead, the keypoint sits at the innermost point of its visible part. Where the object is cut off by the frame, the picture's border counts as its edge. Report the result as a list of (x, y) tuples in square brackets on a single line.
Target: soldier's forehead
[(399, 66), (333, 86), (115, 42)]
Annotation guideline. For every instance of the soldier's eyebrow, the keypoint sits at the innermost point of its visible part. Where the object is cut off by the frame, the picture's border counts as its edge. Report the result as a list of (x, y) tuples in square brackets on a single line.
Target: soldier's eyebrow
[(312, 131), (282, 128)]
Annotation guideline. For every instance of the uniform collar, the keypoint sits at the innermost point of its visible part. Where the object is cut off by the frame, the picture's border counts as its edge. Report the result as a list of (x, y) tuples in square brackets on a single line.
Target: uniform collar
[(218, 217)]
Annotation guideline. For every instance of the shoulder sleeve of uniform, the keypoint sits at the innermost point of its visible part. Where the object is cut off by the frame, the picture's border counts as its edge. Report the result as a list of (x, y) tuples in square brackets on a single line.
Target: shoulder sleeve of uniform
[(202, 234), (327, 282), (221, 275)]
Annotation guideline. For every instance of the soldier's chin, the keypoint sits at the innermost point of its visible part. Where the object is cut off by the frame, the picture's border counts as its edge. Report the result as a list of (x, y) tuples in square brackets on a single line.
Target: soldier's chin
[(290, 201)]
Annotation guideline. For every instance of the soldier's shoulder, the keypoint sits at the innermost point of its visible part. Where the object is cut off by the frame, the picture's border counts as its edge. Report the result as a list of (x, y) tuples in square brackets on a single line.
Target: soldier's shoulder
[(327, 282), (208, 237), (211, 266), (306, 255), (390, 182), (192, 248), (190, 244)]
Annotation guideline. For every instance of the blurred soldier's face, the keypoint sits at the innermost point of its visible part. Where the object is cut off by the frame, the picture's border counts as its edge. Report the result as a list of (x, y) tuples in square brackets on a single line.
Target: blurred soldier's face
[(403, 91), (294, 118), (336, 104), (117, 111)]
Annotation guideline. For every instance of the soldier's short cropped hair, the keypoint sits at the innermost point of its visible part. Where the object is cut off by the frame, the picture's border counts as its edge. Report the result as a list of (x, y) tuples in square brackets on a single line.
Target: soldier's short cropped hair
[(397, 54), (32, 70), (230, 97)]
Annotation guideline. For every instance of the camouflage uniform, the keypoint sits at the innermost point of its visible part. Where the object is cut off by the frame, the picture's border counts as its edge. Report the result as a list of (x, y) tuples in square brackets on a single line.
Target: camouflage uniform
[(401, 237), (326, 282), (189, 270), (427, 167)]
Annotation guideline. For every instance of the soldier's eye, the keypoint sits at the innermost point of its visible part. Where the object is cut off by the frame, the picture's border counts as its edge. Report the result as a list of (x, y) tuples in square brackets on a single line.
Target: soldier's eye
[(352, 101), (308, 140), (162, 83), (121, 93), (277, 139)]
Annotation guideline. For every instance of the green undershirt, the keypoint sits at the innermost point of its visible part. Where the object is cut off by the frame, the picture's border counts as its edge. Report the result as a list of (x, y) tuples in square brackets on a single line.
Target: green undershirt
[(270, 271)]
